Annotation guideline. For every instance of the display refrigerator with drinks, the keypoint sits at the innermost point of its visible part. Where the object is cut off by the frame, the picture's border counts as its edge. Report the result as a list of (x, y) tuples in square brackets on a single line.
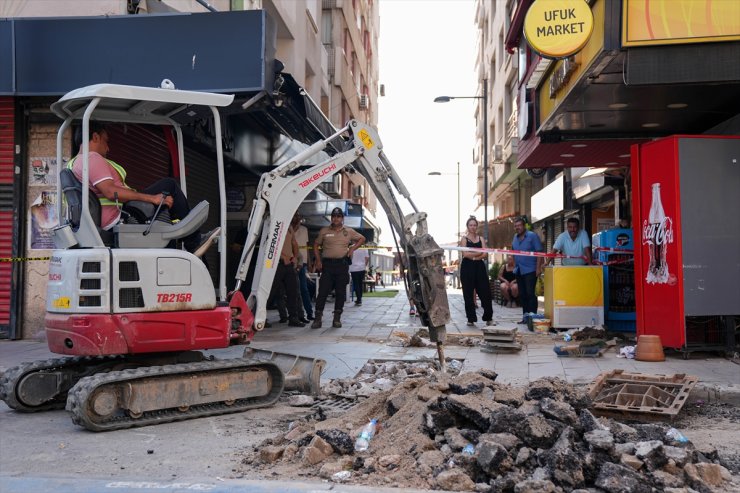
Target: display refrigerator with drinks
[(613, 249), (686, 222)]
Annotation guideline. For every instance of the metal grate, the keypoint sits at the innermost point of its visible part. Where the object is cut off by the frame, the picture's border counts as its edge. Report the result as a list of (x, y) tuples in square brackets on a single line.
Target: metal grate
[(130, 298), (89, 283), (90, 301), (128, 271), (334, 404), (704, 330), (90, 266), (634, 394)]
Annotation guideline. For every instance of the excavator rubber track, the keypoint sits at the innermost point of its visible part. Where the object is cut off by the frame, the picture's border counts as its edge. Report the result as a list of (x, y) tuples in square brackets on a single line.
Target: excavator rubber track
[(162, 394), (43, 385)]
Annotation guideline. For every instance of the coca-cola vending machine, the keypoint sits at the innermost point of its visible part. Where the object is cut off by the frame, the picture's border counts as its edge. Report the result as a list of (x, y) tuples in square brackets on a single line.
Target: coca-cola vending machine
[(686, 220)]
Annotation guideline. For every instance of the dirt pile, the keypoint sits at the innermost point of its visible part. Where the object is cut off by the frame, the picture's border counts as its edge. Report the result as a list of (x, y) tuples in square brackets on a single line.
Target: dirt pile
[(469, 433)]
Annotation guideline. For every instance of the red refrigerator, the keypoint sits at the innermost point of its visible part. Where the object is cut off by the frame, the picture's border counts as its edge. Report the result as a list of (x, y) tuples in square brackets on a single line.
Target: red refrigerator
[(686, 220)]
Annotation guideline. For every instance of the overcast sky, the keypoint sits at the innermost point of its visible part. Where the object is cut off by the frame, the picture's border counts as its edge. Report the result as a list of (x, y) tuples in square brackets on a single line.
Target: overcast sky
[(427, 49)]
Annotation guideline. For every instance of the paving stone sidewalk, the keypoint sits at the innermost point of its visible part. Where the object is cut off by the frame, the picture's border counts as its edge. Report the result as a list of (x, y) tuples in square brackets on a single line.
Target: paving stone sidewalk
[(367, 332)]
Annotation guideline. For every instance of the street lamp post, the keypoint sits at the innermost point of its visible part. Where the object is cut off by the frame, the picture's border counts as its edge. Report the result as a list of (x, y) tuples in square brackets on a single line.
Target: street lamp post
[(484, 98), (437, 173)]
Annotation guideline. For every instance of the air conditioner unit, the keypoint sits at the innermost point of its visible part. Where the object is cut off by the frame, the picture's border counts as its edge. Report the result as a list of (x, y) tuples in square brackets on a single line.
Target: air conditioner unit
[(333, 186), (498, 153), (364, 101), (358, 191)]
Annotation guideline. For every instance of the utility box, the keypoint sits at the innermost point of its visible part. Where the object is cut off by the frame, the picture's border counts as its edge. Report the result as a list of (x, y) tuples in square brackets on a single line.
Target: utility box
[(574, 296)]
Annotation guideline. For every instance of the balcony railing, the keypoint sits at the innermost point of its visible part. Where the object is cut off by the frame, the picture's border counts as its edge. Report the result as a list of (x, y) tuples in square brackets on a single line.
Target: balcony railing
[(512, 128)]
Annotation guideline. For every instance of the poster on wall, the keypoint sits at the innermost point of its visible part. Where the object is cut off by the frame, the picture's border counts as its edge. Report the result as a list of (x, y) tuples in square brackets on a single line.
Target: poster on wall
[(43, 219), (604, 223), (43, 171)]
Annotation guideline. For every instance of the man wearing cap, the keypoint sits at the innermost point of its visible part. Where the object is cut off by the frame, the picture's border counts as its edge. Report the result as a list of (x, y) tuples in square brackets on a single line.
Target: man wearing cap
[(333, 262)]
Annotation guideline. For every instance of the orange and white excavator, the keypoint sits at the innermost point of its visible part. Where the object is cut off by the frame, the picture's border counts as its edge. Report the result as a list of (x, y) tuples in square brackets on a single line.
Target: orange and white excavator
[(132, 317)]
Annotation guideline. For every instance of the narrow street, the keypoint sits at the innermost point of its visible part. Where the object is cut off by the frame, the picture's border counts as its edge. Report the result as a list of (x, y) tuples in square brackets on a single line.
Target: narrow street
[(43, 451)]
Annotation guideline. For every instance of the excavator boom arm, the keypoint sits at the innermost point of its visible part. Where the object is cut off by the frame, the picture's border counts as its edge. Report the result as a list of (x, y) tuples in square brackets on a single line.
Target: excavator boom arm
[(280, 193)]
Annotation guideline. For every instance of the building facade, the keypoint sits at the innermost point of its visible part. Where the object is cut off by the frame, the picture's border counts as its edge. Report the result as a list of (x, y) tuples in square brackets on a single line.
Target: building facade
[(509, 188), (243, 39), (587, 110)]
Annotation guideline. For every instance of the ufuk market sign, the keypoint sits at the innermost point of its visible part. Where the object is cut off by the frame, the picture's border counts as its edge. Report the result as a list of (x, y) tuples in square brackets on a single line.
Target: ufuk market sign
[(558, 28)]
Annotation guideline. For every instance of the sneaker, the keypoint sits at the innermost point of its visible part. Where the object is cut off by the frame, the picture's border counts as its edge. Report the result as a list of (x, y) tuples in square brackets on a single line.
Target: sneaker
[(412, 312), (303, 320), (206, 241), (316, 324), (522, 322), (336, 324), (309, 317), (471, 324), (282, 320), (490, 323), (358, 303), (296, 323)]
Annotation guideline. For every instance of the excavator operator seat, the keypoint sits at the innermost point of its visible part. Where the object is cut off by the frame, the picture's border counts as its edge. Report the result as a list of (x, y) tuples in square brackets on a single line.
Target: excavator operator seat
[(138, 235), (160, 233), (72, 190)]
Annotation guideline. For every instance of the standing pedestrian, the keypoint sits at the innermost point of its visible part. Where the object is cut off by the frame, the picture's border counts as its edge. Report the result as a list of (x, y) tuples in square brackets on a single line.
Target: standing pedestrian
[(473, 275), (360, 260), (333, 262), (301, 237), (286, 279), (528, 268)]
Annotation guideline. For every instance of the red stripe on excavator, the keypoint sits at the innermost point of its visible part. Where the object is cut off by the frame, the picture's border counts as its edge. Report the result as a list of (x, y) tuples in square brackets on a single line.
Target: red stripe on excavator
[(136, 333)]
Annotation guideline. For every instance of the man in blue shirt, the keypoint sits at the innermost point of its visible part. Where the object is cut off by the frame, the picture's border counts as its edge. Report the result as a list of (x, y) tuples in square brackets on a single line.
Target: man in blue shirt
[(573, 242), (527, 269)]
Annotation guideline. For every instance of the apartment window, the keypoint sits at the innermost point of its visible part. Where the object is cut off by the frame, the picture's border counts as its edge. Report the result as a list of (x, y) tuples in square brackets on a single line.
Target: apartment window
[(366, 42), (326, 27), (522, 61), (346, 43), (501, 52), (500, 120)]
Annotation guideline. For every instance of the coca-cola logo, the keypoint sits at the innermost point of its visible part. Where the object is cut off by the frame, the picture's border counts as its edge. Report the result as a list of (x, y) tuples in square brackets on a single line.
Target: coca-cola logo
[(657, 233)]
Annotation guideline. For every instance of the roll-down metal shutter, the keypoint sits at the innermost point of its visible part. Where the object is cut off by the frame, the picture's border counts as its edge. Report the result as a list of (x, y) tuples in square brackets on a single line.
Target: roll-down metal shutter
[(202, 184), (7, 219), (557, 228), (143, 151)]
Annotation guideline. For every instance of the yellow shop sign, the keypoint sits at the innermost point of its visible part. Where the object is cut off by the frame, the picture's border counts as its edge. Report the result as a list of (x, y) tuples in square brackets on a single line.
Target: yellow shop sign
[(558, 28)]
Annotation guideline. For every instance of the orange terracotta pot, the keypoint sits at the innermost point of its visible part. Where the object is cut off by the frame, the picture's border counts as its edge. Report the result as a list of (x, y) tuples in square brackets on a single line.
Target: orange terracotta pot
[(649, 348)]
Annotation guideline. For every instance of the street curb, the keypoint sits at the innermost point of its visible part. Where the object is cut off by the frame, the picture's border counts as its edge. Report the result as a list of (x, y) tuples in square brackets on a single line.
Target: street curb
[(65, 484), (708, 392)]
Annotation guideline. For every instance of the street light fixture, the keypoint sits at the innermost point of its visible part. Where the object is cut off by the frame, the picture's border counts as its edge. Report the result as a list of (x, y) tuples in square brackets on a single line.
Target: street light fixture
[(484, 98), (437, 173)]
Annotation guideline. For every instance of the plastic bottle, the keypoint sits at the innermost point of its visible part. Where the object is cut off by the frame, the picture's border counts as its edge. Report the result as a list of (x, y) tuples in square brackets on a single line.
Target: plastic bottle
[(368, 431), (469, 449), (676, 436)]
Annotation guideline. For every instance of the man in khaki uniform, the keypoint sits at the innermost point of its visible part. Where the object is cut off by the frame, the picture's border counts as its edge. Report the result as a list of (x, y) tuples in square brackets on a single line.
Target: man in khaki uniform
[(333, 262), (285, 277)]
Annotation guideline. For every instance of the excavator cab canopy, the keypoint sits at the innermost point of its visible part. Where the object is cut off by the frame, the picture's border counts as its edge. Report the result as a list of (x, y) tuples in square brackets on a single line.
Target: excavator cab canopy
[(145, 105)]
